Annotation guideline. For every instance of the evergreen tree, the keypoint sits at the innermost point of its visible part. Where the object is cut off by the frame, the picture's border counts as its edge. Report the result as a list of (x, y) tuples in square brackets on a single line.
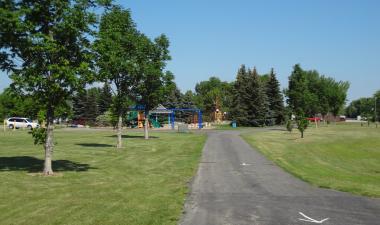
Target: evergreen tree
[(187, 100), (275, 98), (257, 100), (79, 105), (172, 94), (240, 97), (376, 97), (92, 109), (105, 98)]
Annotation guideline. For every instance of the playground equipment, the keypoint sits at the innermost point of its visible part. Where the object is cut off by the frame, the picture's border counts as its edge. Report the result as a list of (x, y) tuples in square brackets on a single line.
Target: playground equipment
[(137, 112), (137, 116), (197, 119), (218, 116)]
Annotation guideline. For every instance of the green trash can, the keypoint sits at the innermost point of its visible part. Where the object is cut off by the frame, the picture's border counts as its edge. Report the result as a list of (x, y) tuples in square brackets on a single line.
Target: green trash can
[(233, 124)]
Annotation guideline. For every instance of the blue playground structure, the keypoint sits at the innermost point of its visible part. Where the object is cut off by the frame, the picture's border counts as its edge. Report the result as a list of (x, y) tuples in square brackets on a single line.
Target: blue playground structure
[(198, 111), (171, 114)]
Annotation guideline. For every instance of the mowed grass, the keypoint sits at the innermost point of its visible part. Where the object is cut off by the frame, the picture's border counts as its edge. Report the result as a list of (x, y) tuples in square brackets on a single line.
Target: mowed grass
[(144, 183), (341, 157)]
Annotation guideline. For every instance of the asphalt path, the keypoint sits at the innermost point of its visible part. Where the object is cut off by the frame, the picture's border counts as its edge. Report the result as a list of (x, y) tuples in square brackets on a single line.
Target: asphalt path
[(236, 185)]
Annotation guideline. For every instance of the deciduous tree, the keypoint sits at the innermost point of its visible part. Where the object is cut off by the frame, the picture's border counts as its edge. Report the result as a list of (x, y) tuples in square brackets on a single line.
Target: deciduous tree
[(45, 46), (118, 47), (151, 87)]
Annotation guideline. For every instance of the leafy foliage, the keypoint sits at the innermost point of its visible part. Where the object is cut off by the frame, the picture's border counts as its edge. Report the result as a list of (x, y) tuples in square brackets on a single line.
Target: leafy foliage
[(309, 93), (119, 50), (289, 126), (153, 81), (106, 119), (104, 99), (45, 45), (297, 92), (213, 94), (13, 104), (365, 107), (39, 136), (302, 124)]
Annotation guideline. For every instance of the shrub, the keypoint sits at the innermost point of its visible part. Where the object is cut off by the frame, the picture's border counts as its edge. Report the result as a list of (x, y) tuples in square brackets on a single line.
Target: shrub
[(289, 125), (106, 119), (302, 124)]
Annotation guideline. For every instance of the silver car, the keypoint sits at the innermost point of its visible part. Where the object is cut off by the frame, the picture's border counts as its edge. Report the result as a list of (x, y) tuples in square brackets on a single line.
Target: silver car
[(20, 122)]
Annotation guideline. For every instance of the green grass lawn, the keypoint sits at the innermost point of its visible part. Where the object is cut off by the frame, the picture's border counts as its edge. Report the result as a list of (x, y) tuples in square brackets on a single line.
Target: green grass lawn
[(342, 157), (229, 127), (145, 183)]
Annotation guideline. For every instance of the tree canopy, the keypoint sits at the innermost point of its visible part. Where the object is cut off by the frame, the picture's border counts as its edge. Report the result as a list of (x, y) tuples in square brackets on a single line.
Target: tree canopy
[(46, 48), (213, 94), (365, 107), (257, 99), (309, 93)]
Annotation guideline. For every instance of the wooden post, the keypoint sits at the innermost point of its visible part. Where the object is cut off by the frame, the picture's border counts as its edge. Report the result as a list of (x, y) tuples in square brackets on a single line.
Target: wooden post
[(315, 121)]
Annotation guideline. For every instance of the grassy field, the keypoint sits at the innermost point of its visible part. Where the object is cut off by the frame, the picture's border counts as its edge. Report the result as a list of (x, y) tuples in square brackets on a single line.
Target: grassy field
[(145, 183), (229, 127), (342, 157)]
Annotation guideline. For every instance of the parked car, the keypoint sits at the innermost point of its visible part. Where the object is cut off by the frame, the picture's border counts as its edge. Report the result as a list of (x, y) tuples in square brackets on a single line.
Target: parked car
[(20, 122)]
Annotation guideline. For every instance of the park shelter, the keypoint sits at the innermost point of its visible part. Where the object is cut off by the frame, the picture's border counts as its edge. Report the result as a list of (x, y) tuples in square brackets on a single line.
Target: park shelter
[(160, 109)]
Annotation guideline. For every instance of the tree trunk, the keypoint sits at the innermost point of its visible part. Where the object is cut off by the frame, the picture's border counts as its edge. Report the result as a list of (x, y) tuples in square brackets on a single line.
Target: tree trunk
[(49, 145), (146, 125), (301, 134), (119, 131)]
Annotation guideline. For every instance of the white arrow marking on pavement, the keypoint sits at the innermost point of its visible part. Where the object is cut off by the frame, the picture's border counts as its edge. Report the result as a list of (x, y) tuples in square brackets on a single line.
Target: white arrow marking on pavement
[(311, 220), (245, 164)]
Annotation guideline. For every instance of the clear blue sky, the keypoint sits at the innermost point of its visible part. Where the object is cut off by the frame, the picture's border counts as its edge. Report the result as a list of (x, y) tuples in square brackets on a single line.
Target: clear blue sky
[(339, 38)]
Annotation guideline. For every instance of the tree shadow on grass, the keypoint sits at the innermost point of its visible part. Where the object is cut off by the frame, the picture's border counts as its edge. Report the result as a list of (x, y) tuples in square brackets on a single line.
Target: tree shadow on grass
[(95, 145), (32, 164), (132, 136)]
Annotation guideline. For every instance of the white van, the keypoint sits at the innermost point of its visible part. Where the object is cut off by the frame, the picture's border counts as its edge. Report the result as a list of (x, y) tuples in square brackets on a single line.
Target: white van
[(19, 122)]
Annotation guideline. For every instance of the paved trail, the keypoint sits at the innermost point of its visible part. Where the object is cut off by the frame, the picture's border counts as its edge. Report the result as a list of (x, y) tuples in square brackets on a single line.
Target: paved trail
[(236, 185)]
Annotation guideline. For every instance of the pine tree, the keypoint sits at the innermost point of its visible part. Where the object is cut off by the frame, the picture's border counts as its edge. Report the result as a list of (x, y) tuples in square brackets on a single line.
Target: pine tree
[(105, 99), (92, 109), (275, 98), (257, 100), (240, 97), (79, 105)]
